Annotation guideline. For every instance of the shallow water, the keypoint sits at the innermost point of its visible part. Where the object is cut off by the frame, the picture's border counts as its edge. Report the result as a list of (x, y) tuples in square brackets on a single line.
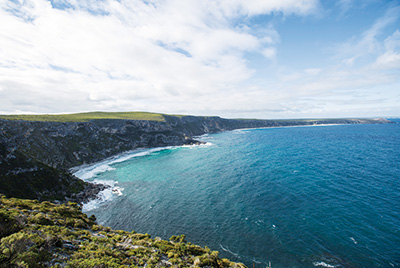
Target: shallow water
[(325, 196)]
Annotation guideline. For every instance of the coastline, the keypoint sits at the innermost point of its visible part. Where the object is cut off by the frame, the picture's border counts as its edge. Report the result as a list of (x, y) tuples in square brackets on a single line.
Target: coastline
[(110, 188), (316, 125), (144, 211), (52, 146), (87, 172)]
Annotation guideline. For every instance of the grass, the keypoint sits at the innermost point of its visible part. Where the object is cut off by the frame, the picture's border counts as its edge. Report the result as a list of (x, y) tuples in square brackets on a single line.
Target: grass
[(84, 117)]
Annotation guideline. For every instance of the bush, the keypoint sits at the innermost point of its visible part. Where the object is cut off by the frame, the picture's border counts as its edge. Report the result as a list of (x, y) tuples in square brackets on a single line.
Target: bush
[(40, 218), (9, 223)]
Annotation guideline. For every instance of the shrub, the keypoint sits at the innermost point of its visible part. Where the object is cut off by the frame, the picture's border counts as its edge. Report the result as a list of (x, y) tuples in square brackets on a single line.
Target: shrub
[(9, 223), (40, 218)]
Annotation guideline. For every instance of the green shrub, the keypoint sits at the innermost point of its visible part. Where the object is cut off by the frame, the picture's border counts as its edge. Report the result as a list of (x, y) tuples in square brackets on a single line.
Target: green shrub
[(100, 262), (40, 218), (9, 223)]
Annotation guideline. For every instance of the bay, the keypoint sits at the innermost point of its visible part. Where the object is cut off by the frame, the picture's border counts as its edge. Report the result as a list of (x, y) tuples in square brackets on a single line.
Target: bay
[(326, 196)]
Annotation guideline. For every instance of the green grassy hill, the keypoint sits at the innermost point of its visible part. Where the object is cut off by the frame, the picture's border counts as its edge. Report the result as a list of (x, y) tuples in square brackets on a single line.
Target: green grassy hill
[(84, 117), (35, 234)]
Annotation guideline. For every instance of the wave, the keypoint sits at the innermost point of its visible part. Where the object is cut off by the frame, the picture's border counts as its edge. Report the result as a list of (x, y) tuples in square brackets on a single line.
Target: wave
[(86, 172), (227, 250), (241, 131), (89, 172), (244, 130), (193, 146), (324, 264), (106, 195), (253, 260)]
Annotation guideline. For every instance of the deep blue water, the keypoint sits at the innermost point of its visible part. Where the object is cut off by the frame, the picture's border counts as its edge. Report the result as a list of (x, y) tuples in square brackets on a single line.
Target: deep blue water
[(326, 196)]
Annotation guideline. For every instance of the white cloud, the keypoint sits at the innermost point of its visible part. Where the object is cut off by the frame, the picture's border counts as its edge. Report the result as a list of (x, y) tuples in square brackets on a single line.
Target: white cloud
[(128, 54), (269, 52), (312, 71), (362, 79), (345, 5), (176, 56), (256, 7), (390, 59), (368, 44)]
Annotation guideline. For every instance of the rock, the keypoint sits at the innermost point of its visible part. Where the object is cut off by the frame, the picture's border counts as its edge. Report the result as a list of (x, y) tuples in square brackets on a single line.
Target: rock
[(193, 142)]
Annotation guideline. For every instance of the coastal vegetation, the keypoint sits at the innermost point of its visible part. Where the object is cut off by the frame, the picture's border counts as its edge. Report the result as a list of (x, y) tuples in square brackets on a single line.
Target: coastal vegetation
[(43, 234)]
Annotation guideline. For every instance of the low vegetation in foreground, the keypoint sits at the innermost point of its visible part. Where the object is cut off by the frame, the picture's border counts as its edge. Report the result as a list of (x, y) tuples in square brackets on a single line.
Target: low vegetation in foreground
[(43, 234)]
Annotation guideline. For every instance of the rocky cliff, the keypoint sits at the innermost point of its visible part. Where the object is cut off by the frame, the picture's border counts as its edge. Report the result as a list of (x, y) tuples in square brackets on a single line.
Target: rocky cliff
[(47, 149)]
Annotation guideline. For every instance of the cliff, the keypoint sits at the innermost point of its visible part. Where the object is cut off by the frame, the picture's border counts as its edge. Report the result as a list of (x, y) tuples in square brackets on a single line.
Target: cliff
[(35, 155)]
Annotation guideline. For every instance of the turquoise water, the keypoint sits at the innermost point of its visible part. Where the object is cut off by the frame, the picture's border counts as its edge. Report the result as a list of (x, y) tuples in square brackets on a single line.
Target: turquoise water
[(325, 196)]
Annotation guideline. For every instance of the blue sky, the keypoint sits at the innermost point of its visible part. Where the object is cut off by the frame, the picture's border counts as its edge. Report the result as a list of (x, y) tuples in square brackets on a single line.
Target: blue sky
[(232, 58)]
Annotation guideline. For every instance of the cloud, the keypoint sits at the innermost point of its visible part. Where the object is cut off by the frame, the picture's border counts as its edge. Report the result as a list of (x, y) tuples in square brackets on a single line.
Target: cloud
[(312, 71), (177, 56), (129, 55), (368, 45), (361, 77), (257, 7), (345, 5), (390, 59)]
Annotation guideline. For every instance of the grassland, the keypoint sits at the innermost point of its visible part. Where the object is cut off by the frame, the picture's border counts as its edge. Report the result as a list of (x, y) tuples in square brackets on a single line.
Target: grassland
[(84, 117)]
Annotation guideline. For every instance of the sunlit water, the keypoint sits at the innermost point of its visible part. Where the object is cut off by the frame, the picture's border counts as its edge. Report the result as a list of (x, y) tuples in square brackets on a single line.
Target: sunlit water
[(325, 196)]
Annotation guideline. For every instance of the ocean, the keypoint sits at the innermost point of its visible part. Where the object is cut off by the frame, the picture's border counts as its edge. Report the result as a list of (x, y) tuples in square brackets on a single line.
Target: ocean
[(321, 196)]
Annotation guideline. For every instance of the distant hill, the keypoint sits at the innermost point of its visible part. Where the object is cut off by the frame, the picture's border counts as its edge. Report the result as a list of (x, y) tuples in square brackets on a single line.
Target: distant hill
[(85, 117)]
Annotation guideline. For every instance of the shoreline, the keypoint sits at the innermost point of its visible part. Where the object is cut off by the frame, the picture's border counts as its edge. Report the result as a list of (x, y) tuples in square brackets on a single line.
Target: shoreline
[(87, 172), (316, 125), (111, 189)]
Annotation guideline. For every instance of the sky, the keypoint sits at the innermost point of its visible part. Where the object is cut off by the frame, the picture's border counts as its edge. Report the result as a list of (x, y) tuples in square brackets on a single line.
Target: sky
[(229, 58)]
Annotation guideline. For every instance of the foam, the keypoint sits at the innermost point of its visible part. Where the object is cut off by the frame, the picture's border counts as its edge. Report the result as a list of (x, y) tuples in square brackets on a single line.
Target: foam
[(227, 250), (324, 264), (89, 172), (240, 131), (295, 126), (193, 146), (106, 195)]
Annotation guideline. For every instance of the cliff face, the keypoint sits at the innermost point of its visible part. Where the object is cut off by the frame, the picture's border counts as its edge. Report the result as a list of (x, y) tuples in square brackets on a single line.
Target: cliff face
[(25, 177), (30, 148), (65, 145)]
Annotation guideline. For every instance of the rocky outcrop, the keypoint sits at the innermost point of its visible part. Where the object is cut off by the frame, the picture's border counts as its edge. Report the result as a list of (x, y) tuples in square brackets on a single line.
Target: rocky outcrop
[(33, 152)]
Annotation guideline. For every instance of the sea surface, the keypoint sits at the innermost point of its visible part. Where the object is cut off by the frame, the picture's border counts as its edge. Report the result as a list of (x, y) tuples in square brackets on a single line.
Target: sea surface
[(323, 196)]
